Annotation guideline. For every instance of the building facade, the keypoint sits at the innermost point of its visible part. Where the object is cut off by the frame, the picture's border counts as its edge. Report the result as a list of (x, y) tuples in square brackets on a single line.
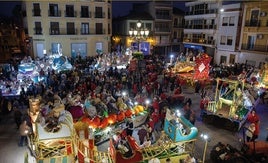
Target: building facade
[(228, 35), (73, 28), (254, 34)]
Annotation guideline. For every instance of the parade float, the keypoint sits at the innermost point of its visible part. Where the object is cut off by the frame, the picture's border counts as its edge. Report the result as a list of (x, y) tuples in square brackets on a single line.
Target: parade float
[(192, 71), (175, 142), (230, 106), (62, 135)]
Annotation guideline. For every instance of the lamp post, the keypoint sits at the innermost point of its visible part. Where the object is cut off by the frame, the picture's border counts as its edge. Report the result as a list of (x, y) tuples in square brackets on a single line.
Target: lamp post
[(139, 33), (205, 137)]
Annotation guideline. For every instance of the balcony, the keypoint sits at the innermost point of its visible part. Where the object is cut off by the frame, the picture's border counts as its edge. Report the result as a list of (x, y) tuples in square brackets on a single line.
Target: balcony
[(85, 14), (38, 31), (260, 48), (202, 12), (178, 26), (167, 17), (53, 13), (36, 12), (250, 23), (204, 26), (162, 30), (99, 31), (199, 41), (70, 14), (63, 31), (99, 14)]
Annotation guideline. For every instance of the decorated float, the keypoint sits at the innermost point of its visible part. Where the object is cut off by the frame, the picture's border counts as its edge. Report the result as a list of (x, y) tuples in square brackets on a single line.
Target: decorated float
[(230, 106), (175, 142), (59, 136), (192, 71)]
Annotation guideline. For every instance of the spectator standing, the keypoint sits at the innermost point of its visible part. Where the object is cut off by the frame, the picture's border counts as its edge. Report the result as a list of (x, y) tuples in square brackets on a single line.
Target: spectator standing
[(130, 127), (249, 132), (254, 118), (17, 117), (24, 131)]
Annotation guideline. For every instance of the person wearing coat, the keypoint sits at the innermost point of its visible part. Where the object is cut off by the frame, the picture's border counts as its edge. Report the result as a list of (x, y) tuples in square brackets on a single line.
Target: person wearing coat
[(24, 131)]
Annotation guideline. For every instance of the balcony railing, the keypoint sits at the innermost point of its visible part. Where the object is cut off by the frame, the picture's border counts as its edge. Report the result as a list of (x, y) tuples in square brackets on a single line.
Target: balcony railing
[(200, 26), (99, 32), (85, 14), (38, 31), (178, 26), (63, 31), (168, 17), (70, 14), (250, 23), (202, 12), (162, 30), (199, 41), (250, 47), (54, 13), (99, 14), (36, 12)]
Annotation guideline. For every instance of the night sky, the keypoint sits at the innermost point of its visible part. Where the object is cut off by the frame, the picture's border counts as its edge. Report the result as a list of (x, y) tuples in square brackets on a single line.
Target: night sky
[(120, 8)]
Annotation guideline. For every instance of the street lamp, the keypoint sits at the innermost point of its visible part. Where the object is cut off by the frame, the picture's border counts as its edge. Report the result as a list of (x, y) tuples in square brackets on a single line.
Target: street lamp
[(205, 137), (139, 33)]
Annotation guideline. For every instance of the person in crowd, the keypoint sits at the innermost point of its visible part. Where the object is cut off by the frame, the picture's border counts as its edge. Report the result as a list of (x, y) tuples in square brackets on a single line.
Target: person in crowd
[(17, 117), (254, 118), (249, 132), (24, 131), (187, 110), (192, 117), (189, 159), (129, 127), (203, 106), (147, 143), (142, 133)]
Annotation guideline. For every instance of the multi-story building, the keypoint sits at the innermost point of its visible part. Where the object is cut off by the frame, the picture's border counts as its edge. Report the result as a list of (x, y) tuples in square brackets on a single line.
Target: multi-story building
[(228, 35), (177, 30), (160, 18), (161, 12), (122, 25), (254, 33), (70, 27), (201, 23)]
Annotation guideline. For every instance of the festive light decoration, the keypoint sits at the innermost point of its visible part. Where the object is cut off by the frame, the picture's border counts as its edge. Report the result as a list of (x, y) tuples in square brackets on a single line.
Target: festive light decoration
[(202, 66)]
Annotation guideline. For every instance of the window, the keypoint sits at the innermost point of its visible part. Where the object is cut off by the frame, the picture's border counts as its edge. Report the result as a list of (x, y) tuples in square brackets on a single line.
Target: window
[(229, 40), (223, 40), (79, 49), (99, 29), (56, 48), (84, 12), (225, 21), (36, 9), (69, 11), (232, 21), (38, 28), (70, 28), (98, 12), (85, 28), (148, 26), (54, 28), (53, 10)]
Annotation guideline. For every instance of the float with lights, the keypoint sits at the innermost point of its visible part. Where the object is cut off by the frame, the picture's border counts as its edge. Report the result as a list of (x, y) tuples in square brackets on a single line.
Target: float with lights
[(230, 106), (58, 137), (175, 142), (191, 71)]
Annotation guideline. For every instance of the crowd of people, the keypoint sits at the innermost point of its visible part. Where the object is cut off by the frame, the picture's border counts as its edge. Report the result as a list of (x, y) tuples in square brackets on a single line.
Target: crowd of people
[(151, 82)]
